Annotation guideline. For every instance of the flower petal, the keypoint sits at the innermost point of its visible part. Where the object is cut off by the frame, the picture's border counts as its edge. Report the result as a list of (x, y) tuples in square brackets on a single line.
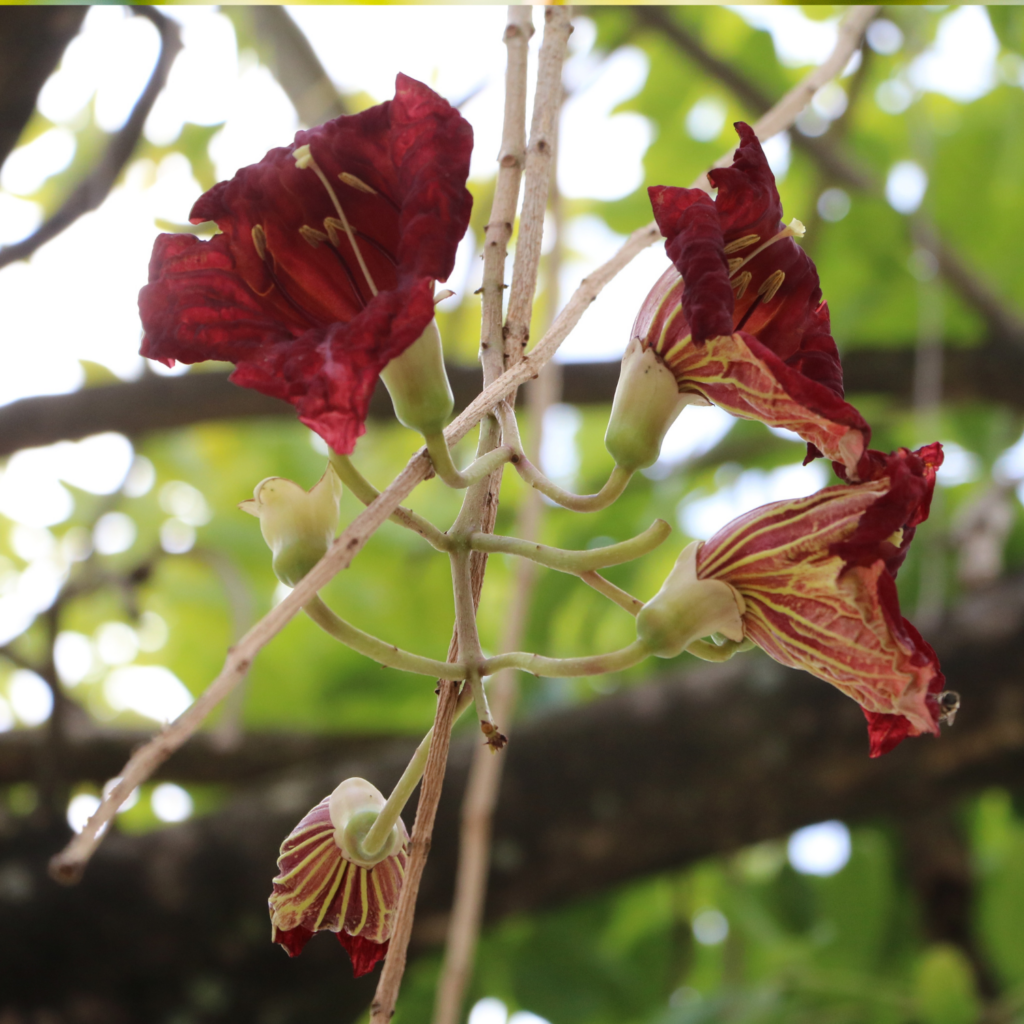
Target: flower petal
[(329, 374), (688, 218), (739, 374), (364, 953), (813, 603)]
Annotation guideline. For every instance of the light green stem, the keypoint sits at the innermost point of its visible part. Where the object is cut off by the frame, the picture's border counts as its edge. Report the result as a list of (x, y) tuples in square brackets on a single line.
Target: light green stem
[(575, 562), (445, 468), (536, 664), (560, 668), (378, 650), (379, 831), (612, 592), (613, 488), (367, 493)]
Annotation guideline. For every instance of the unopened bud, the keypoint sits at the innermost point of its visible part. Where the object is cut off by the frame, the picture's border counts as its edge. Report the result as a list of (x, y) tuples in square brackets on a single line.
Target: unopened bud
[(297, 525), (418, 384), (687, 608), (646, 403)]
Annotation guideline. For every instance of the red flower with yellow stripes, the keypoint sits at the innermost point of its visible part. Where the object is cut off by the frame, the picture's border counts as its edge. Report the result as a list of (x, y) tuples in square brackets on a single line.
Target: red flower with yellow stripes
[(324, 884), (325, 268), (739, 319), (815, 579)]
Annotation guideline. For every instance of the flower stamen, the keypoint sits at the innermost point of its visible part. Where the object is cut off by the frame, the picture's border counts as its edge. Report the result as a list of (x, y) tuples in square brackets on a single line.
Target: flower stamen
[(311, 235), (357, 183), (304, 159), (793, 230), (741, 243), (771, 284), (739, 286), (259, 241)]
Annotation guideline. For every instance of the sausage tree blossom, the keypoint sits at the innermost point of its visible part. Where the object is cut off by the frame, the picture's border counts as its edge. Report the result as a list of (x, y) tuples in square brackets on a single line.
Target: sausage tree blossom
[(325, 266)]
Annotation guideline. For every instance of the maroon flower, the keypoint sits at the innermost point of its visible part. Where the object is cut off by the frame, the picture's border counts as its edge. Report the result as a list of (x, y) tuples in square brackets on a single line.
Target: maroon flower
[(321, 886), (816, 578), (325, 268), (739, 318)]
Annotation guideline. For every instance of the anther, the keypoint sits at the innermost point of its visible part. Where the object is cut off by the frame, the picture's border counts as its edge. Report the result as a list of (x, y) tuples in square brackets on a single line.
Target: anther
[(793, 230), (741, 243), (303, 160), (312, 236), (350, 179), (771, 284), (739, 285), (333, 225), (259, 240), (735, 264)]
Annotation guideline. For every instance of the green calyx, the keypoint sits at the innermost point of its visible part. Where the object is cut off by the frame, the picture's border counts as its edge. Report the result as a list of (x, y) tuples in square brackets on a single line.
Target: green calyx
[(646, 403), (687, 608), (354, 806), (418, 384)]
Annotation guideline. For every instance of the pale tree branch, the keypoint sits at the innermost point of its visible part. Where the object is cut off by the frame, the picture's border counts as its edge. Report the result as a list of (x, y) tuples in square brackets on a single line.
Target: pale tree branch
[(91, 192), (488, 765), (480, 505), (539, 163), (295, 64)]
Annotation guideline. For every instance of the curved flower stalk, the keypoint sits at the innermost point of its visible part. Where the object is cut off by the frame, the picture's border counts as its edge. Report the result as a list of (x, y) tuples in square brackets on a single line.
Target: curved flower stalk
[(813, 583), (325, 880), (737, 321), (325, 268)]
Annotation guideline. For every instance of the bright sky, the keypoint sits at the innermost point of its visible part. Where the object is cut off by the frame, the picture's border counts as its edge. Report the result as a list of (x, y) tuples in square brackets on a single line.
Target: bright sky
[(75, 299)]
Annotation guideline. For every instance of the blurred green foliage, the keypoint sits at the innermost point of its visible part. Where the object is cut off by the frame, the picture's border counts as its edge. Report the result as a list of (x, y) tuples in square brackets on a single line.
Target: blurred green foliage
[(829, 950)]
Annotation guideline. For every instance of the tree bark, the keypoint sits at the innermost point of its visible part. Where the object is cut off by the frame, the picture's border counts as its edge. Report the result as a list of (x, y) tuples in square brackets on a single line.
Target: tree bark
[(987, 374), (699, 763)]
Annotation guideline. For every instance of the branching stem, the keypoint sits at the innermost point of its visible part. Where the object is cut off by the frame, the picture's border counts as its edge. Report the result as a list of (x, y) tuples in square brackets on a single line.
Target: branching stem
[(367, 494), (445, 468), (384, 653), (379, 831), (574, 562), (611, 491)]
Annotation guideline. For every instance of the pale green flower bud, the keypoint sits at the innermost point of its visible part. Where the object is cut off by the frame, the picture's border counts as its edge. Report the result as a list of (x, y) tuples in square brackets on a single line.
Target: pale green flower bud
[(297, 525), (646, 403), (418, 384), (687, 608)]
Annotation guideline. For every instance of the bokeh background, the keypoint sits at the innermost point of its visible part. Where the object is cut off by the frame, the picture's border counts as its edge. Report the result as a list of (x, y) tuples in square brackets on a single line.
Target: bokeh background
[(675, 844)]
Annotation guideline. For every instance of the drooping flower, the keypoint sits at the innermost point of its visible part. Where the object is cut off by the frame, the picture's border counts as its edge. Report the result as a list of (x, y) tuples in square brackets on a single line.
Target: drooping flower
[(324, 884), (814, 586), (325, 268), (738, 319)]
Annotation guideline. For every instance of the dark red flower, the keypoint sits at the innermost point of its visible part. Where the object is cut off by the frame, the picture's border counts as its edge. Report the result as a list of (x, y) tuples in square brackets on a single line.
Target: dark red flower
[(319, 888), (308, 309), (816, 576), (739, 317)]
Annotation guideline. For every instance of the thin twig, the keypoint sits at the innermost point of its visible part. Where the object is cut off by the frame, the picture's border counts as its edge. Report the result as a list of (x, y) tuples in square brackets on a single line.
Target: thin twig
[(94, 189), (480, 505), (539, 163)]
